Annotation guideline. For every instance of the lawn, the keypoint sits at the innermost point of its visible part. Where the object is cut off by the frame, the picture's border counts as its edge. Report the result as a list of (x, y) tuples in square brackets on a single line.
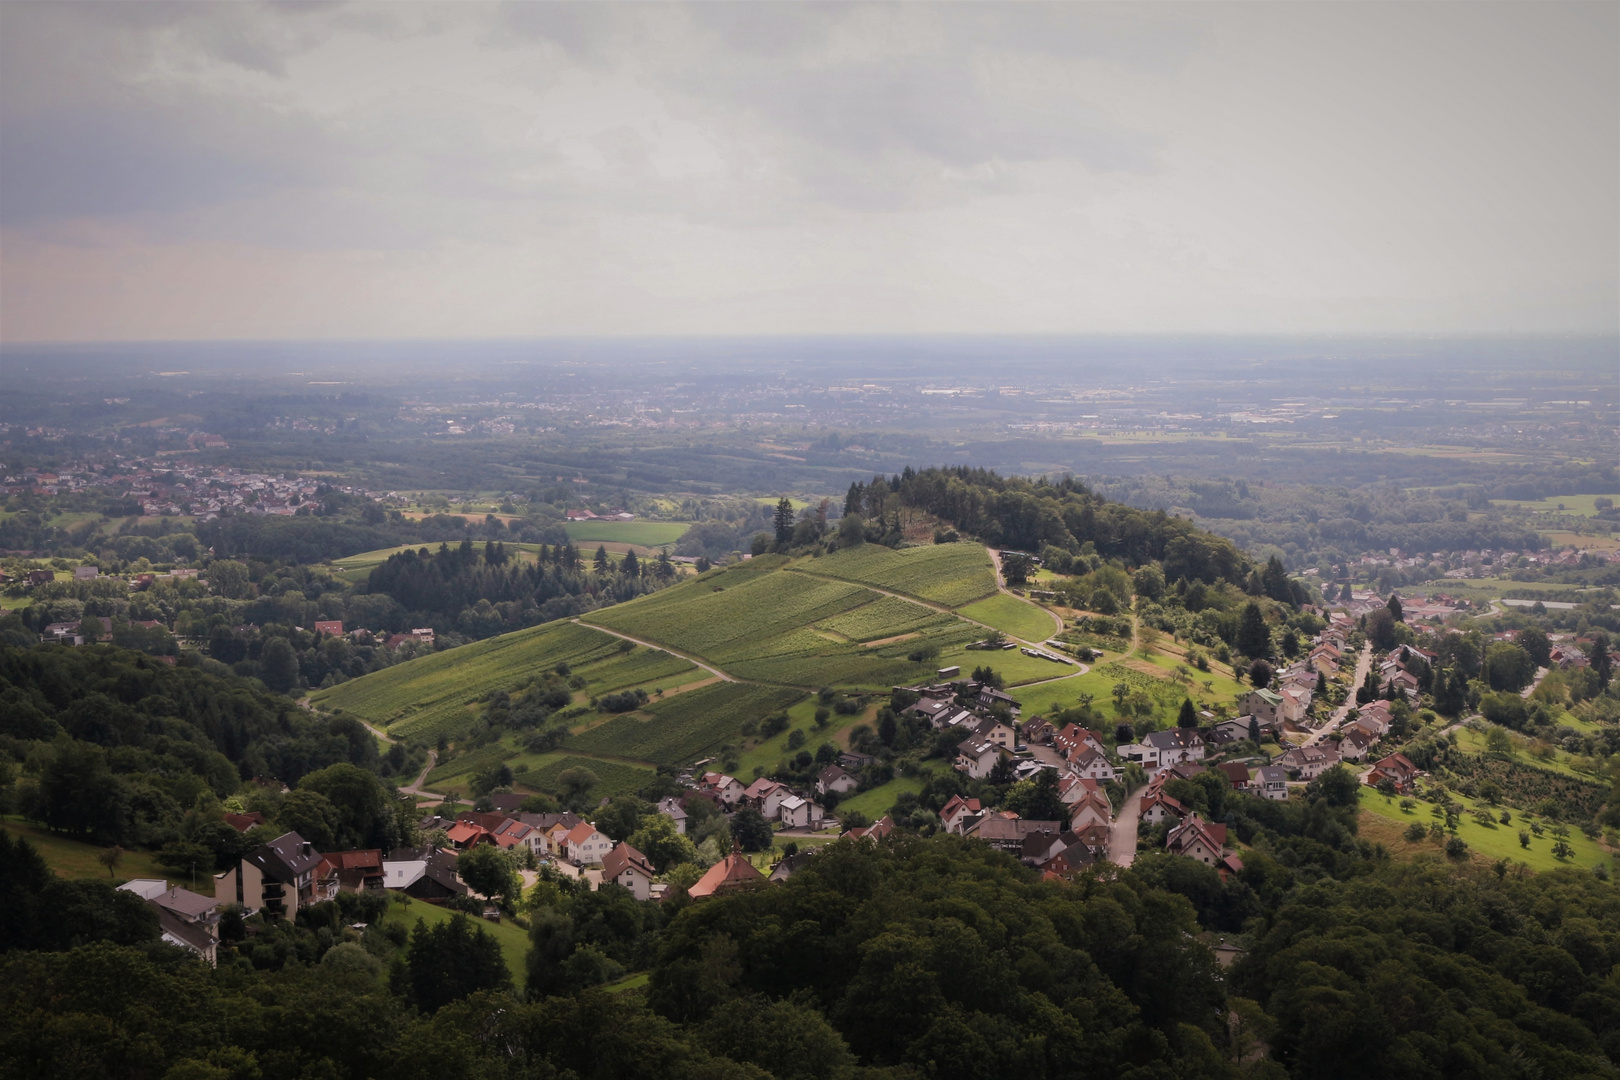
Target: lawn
[(875, 802), (641, 533), (77, 859), (514, 940), (1492, 843), (1013, 666), (1014, 617)]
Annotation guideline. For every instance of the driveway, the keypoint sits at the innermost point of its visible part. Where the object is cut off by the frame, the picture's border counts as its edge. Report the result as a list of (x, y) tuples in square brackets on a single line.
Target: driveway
[(1122, 837)]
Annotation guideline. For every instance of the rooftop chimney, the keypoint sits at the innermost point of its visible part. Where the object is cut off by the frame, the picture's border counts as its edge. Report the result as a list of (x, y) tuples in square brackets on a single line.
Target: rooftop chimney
[(306, 847)]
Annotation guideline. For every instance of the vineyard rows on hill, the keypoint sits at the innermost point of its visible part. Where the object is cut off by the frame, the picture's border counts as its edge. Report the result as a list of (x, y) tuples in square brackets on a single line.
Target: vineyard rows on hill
[(948, 574), (685, 727)]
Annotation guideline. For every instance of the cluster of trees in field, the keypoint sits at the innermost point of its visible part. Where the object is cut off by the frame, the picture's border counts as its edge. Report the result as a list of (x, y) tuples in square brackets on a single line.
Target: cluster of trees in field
[(1030, 515), (485, 591), (113, 747)]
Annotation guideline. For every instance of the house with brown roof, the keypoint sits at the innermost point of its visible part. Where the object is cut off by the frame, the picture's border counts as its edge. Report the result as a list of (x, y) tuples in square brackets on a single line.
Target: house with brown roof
[(766, 796), (1092, 765), (958, 813), (466, 834), (1198, 839), (834, 779), (1397, 768), (357, 870), (243, 822), (728, 875), (585, 845), (880, 828), (1160, 807), (626, 866), (727, 789), (1309, 762)]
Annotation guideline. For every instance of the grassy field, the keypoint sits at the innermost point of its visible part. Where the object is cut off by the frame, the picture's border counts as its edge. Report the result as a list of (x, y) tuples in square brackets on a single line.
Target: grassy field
[(948, 574), (1474, 742), (1014, 617), (1384, 821), (77, 859), (641, 533), (514, 940), (1574, 505), (875, 802), (438, 693)]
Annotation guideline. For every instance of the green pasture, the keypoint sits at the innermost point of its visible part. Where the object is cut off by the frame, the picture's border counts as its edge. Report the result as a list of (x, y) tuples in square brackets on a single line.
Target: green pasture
[(875, 802), (1573, 505), (76, 859), (641, 533), (1494, 842), (1014, 617)]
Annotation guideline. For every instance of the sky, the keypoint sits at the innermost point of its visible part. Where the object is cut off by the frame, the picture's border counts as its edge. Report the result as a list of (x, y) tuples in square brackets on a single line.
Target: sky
[(421, 171)]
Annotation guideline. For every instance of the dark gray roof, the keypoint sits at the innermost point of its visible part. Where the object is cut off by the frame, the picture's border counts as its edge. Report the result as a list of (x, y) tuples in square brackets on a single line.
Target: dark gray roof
[(286, 858)]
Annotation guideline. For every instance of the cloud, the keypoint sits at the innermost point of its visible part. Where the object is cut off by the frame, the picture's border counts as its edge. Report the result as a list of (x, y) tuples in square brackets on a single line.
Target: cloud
[(535, 166)]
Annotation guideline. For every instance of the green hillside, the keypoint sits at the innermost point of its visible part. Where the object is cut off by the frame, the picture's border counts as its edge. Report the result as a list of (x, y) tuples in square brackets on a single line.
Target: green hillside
[(779, 626), (947, 574), (437, 693), (763, 622)]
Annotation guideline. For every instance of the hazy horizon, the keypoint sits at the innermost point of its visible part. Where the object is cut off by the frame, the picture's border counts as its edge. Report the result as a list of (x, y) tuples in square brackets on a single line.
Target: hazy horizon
[(430, 172)]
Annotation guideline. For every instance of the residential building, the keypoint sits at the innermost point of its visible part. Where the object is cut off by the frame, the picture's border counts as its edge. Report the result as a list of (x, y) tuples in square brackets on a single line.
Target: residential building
[(424, 873), (585, 845), (800, 813), (1397, 768), (357, 870), (728, 875), (1309, 762), (275, 878), (958, 813), (626, 866), (834, 780), (766, 796), (671, 808), (1272, 781), (1176, 744), (1266, 705)]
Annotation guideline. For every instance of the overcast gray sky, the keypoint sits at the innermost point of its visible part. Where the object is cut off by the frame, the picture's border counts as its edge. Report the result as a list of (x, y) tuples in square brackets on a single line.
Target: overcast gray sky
[(465, 170)]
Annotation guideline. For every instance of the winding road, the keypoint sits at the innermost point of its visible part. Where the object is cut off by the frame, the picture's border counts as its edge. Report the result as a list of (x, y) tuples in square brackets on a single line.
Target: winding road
[(428, 798)]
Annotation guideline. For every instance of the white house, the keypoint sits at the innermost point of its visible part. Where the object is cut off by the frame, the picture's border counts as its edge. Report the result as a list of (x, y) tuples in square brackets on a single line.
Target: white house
[(626, 866), (799, 813), (585, 845)]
